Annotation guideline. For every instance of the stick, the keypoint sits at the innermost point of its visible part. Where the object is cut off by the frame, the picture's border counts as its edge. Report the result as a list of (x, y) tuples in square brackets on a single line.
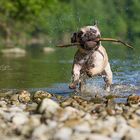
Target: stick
[(97, 39), (115, 40)]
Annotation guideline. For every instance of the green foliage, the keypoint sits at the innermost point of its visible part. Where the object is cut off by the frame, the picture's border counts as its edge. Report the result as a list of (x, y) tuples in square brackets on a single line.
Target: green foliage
[(56, 19)]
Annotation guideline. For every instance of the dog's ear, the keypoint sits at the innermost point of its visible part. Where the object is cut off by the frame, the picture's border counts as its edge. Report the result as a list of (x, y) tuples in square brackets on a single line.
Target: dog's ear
[(74, 38), (95, 23)]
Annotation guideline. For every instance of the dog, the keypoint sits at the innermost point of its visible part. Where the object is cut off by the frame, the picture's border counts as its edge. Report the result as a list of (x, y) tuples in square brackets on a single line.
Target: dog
[(91, 58)]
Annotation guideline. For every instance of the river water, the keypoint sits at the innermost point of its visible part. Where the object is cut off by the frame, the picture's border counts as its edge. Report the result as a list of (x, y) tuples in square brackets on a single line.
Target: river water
[(52, 71)]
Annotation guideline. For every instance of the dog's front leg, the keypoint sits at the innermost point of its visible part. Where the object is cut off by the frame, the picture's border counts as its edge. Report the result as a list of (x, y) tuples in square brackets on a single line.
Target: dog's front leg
[(75, 76)]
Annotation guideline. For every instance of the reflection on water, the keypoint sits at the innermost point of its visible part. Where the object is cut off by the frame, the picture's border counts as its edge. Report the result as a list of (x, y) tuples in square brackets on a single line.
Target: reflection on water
[(37, 70)]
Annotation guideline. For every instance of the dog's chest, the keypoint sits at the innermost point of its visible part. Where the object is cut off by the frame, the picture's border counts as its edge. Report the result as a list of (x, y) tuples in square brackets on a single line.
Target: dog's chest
[(84, 59)]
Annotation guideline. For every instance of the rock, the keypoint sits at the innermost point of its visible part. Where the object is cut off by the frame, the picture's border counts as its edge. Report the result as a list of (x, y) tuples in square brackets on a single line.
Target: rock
[(138, 112), (11, 137), (14, 51), (72, 122), (51, 124), (48, 107), (63, 134), (89, 136), (31, 107), (40, 95), (67, 102), (34, 121), (133, 99), (104, 126), (5, 115), (121, 127), (3, 104), (110, 111), (14, 99), (132, 134), (15, 109), (83, 128), (40, 133), (19, 119), (24, 96), (69, 113), (48, 50)]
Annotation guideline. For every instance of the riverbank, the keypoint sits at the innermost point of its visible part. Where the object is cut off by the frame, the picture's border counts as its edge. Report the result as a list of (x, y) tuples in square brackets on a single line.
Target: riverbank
[(45, 116)]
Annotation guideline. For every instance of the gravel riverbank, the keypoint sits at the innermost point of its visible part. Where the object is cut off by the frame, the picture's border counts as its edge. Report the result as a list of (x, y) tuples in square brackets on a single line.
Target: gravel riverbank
[(44, 116)]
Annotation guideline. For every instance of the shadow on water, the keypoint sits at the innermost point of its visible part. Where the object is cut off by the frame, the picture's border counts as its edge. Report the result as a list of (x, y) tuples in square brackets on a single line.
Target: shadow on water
[(52, 71)]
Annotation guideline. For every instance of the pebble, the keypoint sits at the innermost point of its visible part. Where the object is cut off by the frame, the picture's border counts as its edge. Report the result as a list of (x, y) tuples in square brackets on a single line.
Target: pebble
[(40, 95), (83, 128), (66, 119), (19, 119), (138, 112), (63, 134), (48, 106), (24, 96), (39, 133)]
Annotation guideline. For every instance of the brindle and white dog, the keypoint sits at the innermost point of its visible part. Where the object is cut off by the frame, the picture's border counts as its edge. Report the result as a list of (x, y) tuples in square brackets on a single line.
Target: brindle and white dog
[(91, 58)]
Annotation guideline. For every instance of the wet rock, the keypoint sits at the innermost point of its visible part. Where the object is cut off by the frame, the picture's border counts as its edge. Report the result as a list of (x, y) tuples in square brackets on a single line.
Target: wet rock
[(48, 50), (40, 95), (24, 96), (67, 102), (13, 51), (14, 99), (63, 134), (48, 107), (133, 99), (110, 111), (6, 94)]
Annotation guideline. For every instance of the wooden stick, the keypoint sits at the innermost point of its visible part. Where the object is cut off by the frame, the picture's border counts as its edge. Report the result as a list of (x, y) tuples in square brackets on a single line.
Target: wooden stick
[(115, 40), (96, 40)]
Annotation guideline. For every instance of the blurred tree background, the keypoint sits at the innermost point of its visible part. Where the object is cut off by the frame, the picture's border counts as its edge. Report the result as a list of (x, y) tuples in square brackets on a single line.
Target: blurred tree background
[(23, 22)]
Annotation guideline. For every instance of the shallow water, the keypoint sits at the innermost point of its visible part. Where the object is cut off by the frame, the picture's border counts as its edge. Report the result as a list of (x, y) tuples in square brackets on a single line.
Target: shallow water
[(52, 71)]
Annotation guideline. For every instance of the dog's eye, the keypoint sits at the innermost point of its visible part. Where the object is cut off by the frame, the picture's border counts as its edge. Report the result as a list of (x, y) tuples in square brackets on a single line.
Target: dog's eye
[(80, 33), (93, 30)]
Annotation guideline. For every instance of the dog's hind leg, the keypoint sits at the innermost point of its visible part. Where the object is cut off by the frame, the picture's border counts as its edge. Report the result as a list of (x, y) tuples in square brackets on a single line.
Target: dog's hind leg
[(107, 77)]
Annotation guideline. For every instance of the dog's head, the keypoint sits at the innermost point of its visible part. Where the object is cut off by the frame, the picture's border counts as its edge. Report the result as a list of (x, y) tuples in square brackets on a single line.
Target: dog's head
[(86, 33)]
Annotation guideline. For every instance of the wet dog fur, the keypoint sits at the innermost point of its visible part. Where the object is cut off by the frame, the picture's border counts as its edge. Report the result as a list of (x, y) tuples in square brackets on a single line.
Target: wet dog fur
[(91, 58)]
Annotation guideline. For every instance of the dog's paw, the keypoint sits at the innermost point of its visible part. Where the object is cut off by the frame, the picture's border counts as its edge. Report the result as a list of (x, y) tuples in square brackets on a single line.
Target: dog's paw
[(72, 86)]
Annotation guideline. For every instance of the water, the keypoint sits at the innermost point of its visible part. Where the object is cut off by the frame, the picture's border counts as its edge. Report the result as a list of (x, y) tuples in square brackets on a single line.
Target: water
[(52, 71)]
